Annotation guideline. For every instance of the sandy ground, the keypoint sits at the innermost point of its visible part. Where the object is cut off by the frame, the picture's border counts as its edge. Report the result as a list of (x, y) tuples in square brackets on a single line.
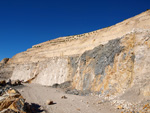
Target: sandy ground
[(38, 95)]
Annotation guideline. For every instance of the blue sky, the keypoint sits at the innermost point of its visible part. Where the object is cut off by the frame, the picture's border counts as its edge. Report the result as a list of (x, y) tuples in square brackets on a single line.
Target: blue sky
[(24, 23)]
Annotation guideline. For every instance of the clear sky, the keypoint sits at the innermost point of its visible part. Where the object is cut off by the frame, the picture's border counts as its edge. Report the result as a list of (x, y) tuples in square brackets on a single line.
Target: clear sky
[(24, 23)]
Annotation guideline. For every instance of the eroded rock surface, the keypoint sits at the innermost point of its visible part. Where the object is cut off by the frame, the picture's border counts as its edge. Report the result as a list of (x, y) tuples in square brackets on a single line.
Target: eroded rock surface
[(110, 62), (12, 101)]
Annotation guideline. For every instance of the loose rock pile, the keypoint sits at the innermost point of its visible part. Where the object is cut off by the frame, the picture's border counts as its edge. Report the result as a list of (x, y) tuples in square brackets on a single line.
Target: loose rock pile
[(10, 82)]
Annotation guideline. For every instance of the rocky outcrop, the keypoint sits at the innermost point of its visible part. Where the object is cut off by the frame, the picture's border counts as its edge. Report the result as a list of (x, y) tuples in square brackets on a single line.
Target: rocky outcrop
[(4, 61), (11, 101), (112, 68), (108, 61)]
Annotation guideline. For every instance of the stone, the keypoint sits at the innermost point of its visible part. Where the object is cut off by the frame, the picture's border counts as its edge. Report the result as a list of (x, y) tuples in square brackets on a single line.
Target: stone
[(2, 83), (56, 85), (49, 102), (15, 82), (8, 111), (11, 101), (64, 97), (8, 81), (120, 107), (6, 102), (9, 91), (72, 91), (65, 85), (78, 109), (18, 104)]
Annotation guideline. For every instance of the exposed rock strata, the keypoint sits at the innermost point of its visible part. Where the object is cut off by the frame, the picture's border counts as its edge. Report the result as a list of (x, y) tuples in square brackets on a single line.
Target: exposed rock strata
[(107, 61)]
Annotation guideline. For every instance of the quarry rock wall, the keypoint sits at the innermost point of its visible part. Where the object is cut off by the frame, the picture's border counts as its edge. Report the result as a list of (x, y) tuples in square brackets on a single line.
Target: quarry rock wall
[(107, 61), (108, 69)]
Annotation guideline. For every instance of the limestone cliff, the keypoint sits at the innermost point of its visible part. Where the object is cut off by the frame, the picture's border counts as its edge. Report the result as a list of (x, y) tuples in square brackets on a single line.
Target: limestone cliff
[(107, 61)]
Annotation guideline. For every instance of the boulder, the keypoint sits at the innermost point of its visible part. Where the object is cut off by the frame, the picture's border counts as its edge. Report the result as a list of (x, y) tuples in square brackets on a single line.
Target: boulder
[(8, 81), (56, 85), (9, 91), (11, 101), (18, 105), (2, 83), (15, 82), (8, 111)]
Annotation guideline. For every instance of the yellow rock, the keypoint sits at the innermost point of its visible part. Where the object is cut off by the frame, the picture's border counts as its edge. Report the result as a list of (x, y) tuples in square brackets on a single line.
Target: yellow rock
[(6, 102), (12, 100), (18, 105), (119, 107)]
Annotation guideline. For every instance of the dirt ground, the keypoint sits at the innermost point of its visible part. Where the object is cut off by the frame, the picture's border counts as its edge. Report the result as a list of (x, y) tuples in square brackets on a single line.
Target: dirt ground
[(38, 95)]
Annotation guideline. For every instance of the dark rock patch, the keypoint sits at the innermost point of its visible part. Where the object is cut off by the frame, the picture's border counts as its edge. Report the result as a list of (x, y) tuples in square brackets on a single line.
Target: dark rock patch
[(64, 85), (96, 59), (103, 56), (72, 91)]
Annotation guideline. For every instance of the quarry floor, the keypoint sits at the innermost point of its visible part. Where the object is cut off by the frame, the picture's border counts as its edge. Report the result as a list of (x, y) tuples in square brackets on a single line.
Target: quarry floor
[(38, 95)]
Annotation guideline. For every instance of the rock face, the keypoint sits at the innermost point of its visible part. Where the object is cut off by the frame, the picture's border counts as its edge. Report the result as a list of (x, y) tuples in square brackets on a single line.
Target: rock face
[(5, 70), (108, 61)]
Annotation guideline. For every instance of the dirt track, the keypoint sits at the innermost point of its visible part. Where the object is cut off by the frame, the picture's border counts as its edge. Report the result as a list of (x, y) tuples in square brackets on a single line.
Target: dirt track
[(38, 95)]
